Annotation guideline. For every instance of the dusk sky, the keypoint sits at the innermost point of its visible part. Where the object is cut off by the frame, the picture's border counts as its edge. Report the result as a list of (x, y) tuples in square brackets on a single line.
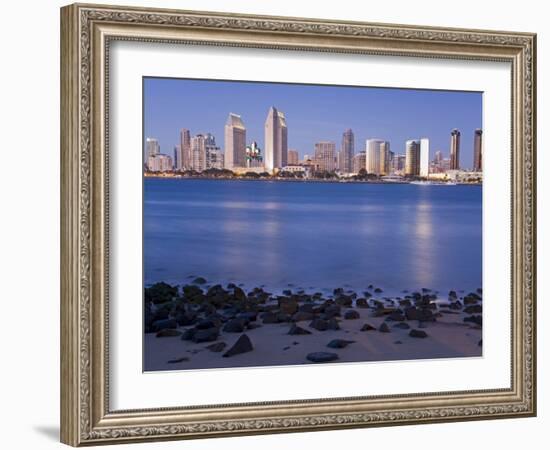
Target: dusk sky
[(313, 113)]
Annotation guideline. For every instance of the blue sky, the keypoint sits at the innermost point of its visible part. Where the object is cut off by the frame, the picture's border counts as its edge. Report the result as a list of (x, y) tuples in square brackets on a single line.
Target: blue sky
[(313, 113)]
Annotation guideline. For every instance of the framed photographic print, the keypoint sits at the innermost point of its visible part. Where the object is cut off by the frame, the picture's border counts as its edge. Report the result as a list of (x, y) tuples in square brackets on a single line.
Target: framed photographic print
[(280, 224)]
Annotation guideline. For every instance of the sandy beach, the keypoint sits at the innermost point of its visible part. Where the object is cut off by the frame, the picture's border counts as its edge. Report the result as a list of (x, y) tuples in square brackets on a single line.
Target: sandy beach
[(252, 329)]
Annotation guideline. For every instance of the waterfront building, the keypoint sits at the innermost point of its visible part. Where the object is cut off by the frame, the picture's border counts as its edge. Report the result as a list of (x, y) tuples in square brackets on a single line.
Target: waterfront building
[(159, 163), (412, 157), (359, 162), (198, 153), (324, 156), (235, 142), (293, 158), (399, 163), (347, 151), (377, 156), (424, 170), (152, 147), (177, 157), (214, 158), (478, 156), (254, 155), (276, 140), (185, 149), (455, 149)]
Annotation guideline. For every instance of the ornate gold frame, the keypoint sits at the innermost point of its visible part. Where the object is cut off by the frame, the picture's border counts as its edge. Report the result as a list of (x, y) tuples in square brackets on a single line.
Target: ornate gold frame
[(86, 31)]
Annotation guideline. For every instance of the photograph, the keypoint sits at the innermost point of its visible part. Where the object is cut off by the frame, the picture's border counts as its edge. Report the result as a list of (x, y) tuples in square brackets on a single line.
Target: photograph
[(288, 224)]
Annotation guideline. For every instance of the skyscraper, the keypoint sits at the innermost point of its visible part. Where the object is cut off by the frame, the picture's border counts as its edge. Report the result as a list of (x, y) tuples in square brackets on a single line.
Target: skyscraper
[(276, 137), (424, 170), (347, 151), (359, 162), (324, 156), (478, 156), (377, 151), (152, 147), (177, 157), (198, 153), (185, 149), (455, 149), (235, 142), (293, 158), (412, 157)]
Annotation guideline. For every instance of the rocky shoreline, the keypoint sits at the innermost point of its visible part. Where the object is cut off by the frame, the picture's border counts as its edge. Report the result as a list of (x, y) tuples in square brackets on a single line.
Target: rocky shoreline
[(202, 325)]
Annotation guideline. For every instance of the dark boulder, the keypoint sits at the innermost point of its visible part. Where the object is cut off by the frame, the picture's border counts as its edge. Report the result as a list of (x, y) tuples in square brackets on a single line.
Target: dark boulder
[(339, 343), (321, 357), (234, 326), (162, 324), (303, 315), (384, 328), (402, 325), (332, 324), (351, 315), (319, 324), (418, 333), (239, 294), (160, 293), (344, 300), (396, 316), (242, 345), (199, 280), (191, 291), (217, 347), (378, 291), (367, 327), (362, 303), (188, 334), (168, 332), (296, 330), (269, 317), (208, 335)]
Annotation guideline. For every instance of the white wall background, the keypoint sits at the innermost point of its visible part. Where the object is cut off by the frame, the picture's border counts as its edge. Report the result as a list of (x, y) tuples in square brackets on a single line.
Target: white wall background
[(29, 224)]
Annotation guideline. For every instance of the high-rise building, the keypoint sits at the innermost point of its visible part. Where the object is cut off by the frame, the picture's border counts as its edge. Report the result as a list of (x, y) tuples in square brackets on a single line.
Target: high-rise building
[(412, 157), (293, 157), (347, 151), (198, 153), (159, 163), (185, 149), (325, 156), (399, 163), (359, 162), (478, 155), (235, 142), (254, 157), (214, 158), (152, 147), (177, 157), (424, 170), (276, 140), (438, 157), (455, 149), (377, 151)]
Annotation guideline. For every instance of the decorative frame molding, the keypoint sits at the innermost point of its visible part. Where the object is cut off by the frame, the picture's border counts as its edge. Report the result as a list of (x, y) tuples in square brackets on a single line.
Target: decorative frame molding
[(86, 32)]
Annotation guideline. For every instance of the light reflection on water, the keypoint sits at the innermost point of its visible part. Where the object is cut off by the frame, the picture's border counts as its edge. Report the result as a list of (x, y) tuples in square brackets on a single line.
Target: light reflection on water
[(321, 235)]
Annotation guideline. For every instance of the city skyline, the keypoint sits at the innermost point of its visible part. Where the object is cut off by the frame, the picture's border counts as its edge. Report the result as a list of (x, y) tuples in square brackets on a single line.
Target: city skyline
[(392, 114)]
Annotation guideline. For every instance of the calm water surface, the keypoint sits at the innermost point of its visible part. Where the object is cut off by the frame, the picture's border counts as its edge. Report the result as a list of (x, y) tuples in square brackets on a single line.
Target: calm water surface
[(313, 235)]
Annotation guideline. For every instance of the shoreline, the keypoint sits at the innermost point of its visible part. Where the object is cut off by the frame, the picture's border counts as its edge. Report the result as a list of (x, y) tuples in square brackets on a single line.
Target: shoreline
[(205, 325), (302, 180)]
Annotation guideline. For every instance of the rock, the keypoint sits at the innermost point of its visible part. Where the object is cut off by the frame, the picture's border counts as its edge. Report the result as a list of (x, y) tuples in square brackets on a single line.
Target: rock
[(178, 360), (452, 295), (248, 316), (205, 324), (402, 325), (188, 334), (210, 334), (344, 300), (339, 343), (163, 324), (473, 309), (396, 316), (367, 327), (168, 332), (288, 306), (319, 324), (283, 317), (406, 303), (320, 357), (191, 291), (398, 342), (474, 319), (242, 345), (160, 293), (418, 333), (296, 330), (307, 307), (384, 328), (333, 324), (234, 326), (239, 294), (199, 280), (351, 315), (303, 315), (287, 292), (269, 317), (362, 303), (378, 291), (252, 325), (185, 318), (331, 311), (217, 347)]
